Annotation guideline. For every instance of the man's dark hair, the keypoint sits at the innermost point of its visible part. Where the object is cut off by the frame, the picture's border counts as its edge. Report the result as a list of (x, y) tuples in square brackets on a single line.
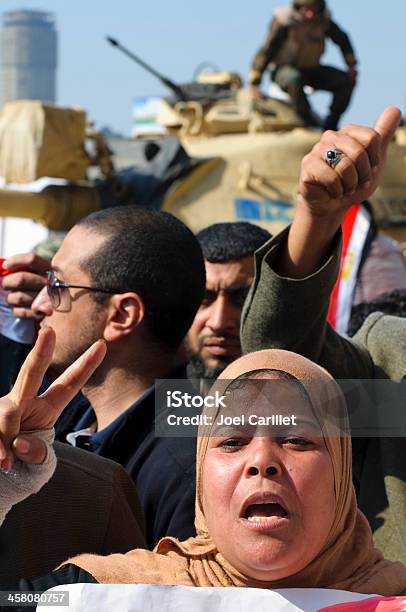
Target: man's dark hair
[(224, 242), (155, 255), (393, 303)]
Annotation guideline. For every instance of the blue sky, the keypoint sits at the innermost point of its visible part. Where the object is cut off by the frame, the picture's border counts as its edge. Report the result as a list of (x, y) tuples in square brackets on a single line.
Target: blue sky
[(177, 35)]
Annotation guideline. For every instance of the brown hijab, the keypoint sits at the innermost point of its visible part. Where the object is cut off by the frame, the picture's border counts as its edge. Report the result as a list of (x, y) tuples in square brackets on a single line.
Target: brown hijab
[(348, 560)]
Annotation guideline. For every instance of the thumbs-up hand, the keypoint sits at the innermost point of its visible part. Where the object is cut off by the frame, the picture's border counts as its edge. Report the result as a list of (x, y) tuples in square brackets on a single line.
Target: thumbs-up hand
[(326, 190)]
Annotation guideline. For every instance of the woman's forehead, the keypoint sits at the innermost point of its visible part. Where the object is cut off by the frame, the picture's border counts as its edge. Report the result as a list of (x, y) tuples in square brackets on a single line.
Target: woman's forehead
[(268, 392), (265, 406)]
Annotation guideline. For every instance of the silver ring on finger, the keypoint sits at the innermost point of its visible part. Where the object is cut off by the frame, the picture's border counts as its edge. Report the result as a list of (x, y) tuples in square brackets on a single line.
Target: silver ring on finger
[(333, 157)]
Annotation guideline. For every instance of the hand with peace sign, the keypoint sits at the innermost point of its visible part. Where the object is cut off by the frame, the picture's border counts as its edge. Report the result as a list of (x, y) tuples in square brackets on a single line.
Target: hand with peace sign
[(22, 411), (328, 189)]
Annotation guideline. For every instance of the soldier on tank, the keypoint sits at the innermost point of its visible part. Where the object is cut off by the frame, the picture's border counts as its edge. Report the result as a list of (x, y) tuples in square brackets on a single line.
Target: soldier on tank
[(292, 51)]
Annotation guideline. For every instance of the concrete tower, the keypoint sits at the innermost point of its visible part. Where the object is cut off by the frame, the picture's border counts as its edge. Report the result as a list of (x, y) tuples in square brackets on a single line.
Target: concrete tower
[(28, 56)]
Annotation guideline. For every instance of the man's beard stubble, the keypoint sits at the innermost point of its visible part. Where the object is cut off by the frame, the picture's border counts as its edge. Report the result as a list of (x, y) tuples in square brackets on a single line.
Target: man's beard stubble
[(69, 355), (198, 369), (201, 370)]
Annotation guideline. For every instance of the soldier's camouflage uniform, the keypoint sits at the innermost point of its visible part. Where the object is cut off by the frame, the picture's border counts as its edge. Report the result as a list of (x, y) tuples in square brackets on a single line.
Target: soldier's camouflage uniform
[(292, 52)]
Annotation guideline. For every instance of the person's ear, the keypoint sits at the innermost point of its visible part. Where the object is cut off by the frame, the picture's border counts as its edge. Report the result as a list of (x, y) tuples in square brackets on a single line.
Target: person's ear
[(126, 312)]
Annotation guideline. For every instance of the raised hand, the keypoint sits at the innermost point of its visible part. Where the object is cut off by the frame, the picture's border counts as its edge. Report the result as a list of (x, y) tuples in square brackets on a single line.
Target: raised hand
[(324, 190), (28, 278), (21, 410), (325, 193)]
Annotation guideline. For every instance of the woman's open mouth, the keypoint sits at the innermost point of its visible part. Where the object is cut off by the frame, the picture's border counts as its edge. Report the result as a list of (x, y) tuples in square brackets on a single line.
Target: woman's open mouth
[(265, 516)]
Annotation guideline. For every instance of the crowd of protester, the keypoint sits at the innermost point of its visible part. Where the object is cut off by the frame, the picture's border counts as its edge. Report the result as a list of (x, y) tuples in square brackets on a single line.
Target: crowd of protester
[(132, 297)]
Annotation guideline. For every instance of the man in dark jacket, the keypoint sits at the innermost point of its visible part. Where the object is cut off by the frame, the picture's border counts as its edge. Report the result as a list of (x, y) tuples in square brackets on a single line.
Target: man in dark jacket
[(213, 342), (292, 51), (134, 277)]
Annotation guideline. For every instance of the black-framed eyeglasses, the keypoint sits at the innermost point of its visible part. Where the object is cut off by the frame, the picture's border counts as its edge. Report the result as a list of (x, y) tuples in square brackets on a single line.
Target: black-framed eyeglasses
[(59, 295)]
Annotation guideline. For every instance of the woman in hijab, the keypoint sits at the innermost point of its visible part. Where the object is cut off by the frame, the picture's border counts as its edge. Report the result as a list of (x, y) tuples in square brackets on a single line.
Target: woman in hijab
[(274, 508)]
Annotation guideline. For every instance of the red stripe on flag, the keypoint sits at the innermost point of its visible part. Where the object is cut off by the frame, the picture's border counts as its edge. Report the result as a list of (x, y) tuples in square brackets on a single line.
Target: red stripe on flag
[(347, 227)]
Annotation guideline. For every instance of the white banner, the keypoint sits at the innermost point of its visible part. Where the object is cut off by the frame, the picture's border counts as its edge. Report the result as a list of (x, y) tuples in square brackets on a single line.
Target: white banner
[(156, 598)]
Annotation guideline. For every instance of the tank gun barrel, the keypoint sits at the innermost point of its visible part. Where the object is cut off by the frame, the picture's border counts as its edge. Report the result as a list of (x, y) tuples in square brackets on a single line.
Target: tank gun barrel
[(176, 89), (56, 207)]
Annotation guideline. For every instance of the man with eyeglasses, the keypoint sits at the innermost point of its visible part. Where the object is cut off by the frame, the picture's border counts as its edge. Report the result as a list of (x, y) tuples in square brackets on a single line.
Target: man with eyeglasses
[(135, 278), (213, 340)]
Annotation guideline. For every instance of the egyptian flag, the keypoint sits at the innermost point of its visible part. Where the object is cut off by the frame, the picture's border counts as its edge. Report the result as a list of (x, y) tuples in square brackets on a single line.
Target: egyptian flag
[(356, 228)]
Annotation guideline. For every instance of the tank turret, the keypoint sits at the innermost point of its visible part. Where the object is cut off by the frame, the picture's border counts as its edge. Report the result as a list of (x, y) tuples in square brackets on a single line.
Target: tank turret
[(215, 103), (225, 157)]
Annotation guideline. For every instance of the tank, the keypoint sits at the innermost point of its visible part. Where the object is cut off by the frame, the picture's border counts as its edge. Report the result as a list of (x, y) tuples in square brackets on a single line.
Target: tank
[(224, 157)]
